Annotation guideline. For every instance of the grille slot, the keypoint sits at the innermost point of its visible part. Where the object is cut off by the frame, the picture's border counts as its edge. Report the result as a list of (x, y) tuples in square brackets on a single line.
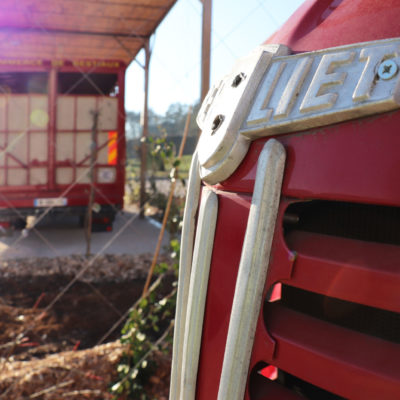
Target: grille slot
[(349, 220), (285, 386), (364, 319), (305, 389)]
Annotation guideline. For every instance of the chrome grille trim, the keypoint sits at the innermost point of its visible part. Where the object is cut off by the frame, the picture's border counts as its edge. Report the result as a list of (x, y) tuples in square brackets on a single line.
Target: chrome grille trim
[(185, 266), (253, 270), (198, 292)]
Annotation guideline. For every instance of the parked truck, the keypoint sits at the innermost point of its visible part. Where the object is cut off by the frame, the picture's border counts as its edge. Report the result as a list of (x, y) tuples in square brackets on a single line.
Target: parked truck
[(61, 133), (290, 273)]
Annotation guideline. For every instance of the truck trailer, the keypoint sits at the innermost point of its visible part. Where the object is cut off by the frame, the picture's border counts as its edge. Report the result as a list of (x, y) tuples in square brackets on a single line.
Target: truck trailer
[(62, 131)]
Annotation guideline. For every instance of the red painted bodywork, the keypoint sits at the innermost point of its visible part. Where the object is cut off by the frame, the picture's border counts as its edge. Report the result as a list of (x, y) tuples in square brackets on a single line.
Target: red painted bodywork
[(356, 161), (319, 24), (22, 197)]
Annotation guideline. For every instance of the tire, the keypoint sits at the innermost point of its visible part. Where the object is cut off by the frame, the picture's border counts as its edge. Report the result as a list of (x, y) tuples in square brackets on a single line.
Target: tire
[(19, 223)]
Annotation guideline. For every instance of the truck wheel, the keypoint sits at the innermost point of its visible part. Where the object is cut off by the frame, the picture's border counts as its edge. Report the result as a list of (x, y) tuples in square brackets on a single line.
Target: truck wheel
[(103, 222), (81, 222), (100, 222), (19, 223)]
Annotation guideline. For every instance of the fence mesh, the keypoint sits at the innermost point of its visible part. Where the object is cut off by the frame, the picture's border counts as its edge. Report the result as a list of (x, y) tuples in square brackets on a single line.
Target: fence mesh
[(61, 310)]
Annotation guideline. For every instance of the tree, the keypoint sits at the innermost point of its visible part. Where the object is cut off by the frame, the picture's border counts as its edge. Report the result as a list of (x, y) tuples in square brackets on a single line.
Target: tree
[(171, 124)]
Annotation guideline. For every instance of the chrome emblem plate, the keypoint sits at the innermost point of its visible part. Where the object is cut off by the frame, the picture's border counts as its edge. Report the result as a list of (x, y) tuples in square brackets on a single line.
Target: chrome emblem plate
[(271, 93), (323, 87)]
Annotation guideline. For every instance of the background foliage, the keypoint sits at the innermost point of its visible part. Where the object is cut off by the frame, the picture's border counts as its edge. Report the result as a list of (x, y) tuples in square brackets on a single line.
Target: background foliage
[(148, 332)]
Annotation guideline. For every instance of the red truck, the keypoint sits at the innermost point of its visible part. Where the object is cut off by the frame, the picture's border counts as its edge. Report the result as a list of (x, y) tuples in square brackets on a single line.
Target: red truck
[(290, 272), (61, 128)]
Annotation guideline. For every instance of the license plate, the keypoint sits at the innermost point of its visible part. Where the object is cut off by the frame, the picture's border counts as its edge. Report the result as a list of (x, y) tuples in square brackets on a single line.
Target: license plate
[(51, 202)]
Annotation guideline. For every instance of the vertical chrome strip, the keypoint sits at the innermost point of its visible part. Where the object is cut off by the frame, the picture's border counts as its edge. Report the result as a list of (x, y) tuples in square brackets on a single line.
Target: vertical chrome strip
[(185, 265), (253, 270), (198, 292)]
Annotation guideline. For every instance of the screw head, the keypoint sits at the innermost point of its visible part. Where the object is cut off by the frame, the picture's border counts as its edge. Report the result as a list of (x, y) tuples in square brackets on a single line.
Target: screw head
[(237, 80), (217, 123), (387, 69)]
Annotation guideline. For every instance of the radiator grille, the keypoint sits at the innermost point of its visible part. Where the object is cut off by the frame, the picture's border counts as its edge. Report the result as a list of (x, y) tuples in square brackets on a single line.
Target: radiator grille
[(369, 320), (350, 220)]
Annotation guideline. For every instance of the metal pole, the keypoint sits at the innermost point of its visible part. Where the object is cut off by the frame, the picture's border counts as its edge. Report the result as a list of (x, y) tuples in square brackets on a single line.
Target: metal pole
[(206, 48), (145, 131)]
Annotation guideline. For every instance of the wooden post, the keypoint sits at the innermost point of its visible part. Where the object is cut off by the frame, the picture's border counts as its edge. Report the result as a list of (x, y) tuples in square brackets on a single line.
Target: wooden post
[(145, 131), (52, 129), (168, 207), (93, 158), (206, 48)]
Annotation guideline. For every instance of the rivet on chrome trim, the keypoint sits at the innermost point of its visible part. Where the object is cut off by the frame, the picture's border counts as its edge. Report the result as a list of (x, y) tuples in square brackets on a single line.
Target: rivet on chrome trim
[(221, 148)]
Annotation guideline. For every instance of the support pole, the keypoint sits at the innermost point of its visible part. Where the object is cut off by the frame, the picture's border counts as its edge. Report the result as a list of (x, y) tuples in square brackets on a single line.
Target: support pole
[(206, 48), (168, 206), (52, 128), (93, 158), (145, 131)]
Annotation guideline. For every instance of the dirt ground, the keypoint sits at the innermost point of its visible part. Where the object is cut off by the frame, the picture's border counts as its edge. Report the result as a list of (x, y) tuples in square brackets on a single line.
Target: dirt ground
[(57, 343)]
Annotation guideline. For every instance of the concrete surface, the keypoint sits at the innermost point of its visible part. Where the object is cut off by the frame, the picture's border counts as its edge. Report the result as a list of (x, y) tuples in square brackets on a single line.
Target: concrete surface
[(61, 237)]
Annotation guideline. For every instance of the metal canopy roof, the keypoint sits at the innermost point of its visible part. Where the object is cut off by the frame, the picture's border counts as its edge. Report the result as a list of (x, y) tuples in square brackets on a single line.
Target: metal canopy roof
[(78, 29)]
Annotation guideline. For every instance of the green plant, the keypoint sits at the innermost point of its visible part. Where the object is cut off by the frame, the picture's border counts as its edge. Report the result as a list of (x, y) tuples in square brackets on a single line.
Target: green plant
[(160, 152), (148, 330), (163, 153)]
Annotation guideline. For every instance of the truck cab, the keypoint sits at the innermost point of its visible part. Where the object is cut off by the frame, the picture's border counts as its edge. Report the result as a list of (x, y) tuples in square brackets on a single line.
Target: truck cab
[(290, 273)]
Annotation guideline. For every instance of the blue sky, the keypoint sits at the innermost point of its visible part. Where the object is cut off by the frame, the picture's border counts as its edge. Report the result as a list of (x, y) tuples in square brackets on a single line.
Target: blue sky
[(237, 27)]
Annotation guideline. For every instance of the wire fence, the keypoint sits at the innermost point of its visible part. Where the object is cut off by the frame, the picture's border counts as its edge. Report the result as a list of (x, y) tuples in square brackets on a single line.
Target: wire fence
[(127, 225)]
